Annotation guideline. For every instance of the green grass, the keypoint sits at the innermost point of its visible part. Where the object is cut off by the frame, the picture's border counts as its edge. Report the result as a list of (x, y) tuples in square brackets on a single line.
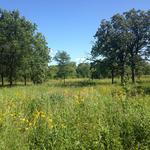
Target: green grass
[(82, 114)]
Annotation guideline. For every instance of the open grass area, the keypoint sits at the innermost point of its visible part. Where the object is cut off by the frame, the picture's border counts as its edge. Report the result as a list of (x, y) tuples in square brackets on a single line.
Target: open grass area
[(83, 114)]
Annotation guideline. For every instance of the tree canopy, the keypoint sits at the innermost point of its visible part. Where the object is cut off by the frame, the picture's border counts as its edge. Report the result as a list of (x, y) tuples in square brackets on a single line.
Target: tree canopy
[(65, 66), (22, 49), (123, 41)]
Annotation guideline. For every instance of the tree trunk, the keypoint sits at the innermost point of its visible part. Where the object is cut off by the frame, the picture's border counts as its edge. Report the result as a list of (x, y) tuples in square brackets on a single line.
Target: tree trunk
[(64, 80), (122, 73), (10, 82), (11, 68), (2, 68), (122, 79), (11, 78), (2, 79), (112, 76), (132, 68), (25, 80), (133, 72)]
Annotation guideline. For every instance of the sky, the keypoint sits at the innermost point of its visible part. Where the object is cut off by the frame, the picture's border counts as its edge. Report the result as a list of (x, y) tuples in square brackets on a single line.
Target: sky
[(70, 25)]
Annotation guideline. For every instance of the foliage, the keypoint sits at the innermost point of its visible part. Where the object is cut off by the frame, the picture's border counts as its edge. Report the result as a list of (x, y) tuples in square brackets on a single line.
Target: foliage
[(123, 41), (20, 45), (52, 71), (83, 70), (40, 59), (65, 66)]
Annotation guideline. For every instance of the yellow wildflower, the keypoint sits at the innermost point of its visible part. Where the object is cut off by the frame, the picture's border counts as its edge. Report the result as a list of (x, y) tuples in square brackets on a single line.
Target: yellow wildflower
[(30, 124), (23, 119), (49, 121), (63, 125)]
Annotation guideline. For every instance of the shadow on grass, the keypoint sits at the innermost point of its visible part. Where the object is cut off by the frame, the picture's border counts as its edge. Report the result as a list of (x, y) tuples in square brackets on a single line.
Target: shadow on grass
[(145, 85), (14, 85), (82, 83), (146, 90)]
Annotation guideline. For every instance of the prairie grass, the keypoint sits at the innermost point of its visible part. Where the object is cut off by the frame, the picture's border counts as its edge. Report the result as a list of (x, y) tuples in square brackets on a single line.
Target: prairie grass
[(82, 114)]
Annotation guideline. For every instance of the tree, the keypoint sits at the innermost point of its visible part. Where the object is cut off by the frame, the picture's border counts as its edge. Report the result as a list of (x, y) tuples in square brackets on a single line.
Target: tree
[(26, 50), (71, 69), (52, 71), (22, 48), (123, 40), (106, 46), (40, 59), (99, 69), (16, 38), (25, 68), (63, 60), (139, 28), (83, 70), (146, 68)]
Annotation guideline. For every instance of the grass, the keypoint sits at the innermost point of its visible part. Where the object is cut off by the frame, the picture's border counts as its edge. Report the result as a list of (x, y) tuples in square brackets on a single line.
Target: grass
[(82, 115)]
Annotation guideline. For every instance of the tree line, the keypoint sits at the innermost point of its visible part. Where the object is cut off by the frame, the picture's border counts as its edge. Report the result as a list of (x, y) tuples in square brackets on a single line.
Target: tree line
[(96, 69), (24, 53), (66, 68), (122, 44), (121, 48)]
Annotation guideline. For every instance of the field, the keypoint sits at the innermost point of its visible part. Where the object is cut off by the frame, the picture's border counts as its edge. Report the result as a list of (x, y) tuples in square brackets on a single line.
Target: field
[(80, 115)]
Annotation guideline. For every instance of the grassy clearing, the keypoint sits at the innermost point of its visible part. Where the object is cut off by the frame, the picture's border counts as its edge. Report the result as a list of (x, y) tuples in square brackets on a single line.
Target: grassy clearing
[(80, 115)]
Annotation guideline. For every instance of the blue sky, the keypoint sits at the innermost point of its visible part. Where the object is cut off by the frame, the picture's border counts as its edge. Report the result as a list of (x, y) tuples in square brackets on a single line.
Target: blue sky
[(71, 24)]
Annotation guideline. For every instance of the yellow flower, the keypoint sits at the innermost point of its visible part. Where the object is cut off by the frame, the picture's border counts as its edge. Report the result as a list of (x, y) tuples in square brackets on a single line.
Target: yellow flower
[(63, 125), (49, 121), (50, 126), (43, 115), (23, 119), (30, 124), (11, 115), (79, 98)]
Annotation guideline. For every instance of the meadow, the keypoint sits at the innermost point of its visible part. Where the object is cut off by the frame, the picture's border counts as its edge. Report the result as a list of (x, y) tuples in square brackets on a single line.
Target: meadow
[(81, 115)]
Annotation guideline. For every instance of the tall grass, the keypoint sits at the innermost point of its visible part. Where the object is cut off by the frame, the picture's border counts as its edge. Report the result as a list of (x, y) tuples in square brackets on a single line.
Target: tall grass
[(80, 115)]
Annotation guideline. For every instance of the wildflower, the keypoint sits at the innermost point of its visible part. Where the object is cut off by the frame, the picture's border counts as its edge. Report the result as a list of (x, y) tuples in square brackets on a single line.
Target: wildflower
[(23, 119), (79, 98), (40, 113), (63, 125), (43, 115), (50, 126), (12, 115), (30, 124), (49, 121)]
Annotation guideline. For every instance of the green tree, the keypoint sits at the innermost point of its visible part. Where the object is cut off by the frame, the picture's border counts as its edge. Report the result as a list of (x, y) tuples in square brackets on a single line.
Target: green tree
[(105, 48), (23, 51), (72, 69), (83, 70), (63, 60), (27, 50), (40, 59), (138, 22), (52, 71), (146, 68), (123, 40)]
